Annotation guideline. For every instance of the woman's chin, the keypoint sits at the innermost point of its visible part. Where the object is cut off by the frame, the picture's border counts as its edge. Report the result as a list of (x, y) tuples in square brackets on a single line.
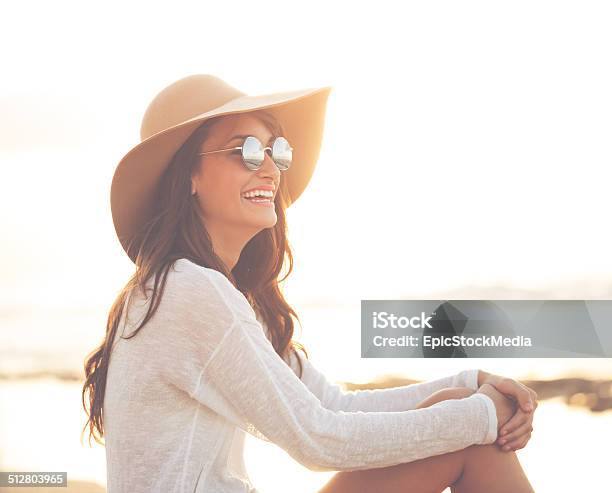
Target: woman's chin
[(259, 223), (263, 215)]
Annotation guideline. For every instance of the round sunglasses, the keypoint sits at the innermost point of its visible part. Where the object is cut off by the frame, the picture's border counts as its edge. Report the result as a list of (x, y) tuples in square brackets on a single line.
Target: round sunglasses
[(253, 153)]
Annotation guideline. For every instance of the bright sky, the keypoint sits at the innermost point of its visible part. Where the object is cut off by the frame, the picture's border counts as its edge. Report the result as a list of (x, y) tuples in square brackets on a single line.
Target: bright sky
[(466, 143)]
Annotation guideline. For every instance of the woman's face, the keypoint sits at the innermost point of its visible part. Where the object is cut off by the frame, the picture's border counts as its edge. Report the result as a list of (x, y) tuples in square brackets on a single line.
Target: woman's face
[(221, 179)]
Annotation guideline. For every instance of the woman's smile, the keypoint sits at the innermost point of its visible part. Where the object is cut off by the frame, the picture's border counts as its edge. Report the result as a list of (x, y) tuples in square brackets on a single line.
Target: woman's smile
[(261, 196)]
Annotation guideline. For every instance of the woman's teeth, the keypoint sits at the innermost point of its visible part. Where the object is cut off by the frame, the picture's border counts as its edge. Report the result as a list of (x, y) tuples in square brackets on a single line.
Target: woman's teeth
[(259, 196), (267, 201)]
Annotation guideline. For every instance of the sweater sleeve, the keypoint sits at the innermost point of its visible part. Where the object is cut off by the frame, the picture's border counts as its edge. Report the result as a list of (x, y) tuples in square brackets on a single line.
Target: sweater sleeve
[(228, 365), (402, 398)]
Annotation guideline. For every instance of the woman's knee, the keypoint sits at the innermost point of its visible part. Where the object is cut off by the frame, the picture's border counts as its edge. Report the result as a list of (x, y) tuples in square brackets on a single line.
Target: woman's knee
[(484, 455), (478, 451)]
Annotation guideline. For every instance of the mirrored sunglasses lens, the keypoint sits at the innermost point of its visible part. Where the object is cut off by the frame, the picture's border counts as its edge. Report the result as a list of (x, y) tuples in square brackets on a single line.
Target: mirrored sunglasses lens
[(282, 153), (252, 152)]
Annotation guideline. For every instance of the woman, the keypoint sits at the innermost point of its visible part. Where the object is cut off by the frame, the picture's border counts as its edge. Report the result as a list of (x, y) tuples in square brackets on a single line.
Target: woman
[(199, 207)]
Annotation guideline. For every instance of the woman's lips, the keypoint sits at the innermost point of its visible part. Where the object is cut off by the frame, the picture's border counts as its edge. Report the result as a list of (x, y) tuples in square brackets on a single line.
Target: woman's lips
[(261, 202)]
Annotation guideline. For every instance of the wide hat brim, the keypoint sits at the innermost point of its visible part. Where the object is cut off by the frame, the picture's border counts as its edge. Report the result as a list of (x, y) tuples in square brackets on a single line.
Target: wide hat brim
[(301, 112)]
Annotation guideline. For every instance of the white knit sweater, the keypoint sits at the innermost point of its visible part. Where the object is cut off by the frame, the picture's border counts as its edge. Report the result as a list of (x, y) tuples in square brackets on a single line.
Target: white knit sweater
[(182, 393)]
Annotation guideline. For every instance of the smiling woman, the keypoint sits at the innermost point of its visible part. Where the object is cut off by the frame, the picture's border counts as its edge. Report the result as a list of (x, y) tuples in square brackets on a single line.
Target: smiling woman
[(206, 353), (175, 197)]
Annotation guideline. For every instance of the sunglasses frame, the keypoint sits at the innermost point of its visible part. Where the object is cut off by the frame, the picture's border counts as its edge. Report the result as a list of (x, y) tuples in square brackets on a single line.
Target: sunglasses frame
[(248, 164)]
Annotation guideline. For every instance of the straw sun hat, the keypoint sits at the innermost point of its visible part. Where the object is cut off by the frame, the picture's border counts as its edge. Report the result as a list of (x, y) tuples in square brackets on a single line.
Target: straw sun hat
[(182, 107)]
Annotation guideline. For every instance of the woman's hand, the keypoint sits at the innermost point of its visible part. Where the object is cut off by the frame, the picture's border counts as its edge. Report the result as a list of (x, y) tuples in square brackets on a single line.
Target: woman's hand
[(504, 406), (516, 432)]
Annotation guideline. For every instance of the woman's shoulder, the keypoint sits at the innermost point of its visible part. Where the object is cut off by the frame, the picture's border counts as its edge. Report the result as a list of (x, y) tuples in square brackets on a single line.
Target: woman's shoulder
[(186, 273), (187, 278)]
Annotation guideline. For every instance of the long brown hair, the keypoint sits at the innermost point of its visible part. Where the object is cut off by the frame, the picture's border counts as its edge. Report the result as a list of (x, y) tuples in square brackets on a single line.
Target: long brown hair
[(177, 231)]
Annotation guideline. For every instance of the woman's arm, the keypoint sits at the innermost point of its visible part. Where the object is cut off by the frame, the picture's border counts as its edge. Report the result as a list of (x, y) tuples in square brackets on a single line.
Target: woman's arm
[(218, 353), (445, 394), (403, 398)]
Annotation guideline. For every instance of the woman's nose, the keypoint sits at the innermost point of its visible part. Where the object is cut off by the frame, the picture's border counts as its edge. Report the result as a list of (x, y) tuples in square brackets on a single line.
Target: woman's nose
[(268, 167)]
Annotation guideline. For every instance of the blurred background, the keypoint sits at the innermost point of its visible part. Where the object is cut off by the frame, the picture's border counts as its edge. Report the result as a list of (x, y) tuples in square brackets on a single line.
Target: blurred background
[(466, 156)]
